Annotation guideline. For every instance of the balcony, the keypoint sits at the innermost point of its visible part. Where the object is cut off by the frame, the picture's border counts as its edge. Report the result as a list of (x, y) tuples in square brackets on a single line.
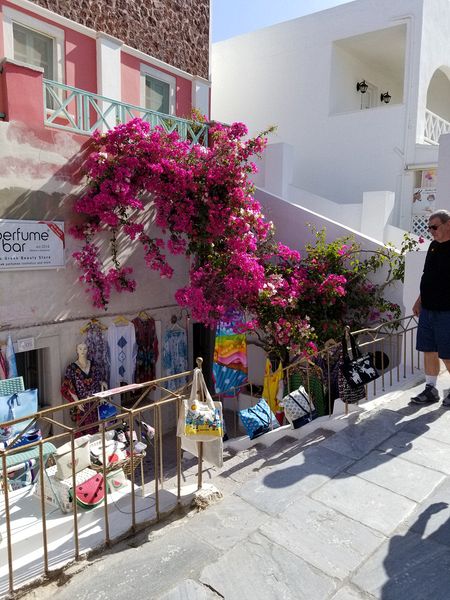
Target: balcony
[(81, 112), (435, 126), (40, 104)]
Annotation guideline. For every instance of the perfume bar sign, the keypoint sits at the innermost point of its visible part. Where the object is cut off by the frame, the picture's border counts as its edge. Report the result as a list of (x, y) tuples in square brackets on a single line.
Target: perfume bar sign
[(31, 244)]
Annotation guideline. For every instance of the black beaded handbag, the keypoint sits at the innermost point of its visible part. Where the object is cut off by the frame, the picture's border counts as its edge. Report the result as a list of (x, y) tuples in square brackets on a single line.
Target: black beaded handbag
[(359, 369)]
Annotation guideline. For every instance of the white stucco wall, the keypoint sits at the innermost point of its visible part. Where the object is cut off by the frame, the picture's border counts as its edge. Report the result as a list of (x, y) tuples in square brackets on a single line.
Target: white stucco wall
[(291, 224), (290, 75), (348, 214), (283, 75)]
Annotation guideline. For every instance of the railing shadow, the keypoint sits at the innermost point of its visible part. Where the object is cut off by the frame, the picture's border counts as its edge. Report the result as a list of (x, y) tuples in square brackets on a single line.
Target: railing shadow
[(355, 442)]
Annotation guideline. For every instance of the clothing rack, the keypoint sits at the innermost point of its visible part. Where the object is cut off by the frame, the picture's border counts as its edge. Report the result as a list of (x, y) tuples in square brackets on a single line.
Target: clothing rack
[(10, 327)]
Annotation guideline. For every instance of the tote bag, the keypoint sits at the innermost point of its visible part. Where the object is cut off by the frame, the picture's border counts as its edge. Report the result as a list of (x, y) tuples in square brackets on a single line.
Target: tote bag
[(347, 394), (16, 406), (199, 418), (358, 369), (212, 452), (258, 419), (298, 408), (106, 411)]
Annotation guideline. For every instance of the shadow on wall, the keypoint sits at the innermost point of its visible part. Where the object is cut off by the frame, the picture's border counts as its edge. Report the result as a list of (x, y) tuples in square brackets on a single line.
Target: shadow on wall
[(41, 175), (27, 158)]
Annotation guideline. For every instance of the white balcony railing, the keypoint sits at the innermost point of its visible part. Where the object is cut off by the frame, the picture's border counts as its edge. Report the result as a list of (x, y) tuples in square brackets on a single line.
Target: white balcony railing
[(435, 126)]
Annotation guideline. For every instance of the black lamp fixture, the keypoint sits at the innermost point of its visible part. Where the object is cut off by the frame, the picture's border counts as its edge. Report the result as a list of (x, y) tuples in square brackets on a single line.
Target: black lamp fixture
[(385, 97), (362, 86)]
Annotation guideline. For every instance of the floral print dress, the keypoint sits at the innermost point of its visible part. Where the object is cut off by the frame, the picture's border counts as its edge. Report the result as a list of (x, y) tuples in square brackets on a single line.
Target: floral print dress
[(82, 385)]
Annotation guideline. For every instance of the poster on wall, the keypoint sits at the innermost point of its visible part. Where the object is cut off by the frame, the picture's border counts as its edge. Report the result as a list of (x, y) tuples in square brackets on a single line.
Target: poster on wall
[(428, 179), (424, 201), (31, 244)]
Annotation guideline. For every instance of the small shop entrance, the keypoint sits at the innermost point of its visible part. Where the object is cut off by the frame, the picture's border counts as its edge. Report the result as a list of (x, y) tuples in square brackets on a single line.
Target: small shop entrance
[(31, 366)]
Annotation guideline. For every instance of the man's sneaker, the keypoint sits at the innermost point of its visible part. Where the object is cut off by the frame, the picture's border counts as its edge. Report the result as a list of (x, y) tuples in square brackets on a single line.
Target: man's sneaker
[(446, 401), (428, 396)]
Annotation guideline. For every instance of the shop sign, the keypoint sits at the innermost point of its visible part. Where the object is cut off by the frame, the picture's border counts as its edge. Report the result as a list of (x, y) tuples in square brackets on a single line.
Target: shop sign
[(25, 344), (31, 244)]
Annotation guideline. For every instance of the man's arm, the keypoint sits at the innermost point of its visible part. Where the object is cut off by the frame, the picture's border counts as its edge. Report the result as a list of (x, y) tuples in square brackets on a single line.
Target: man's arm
[(417, 306)]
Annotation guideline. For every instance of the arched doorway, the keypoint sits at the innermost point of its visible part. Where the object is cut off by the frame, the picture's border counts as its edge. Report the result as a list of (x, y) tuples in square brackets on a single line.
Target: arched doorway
[(437, 114)]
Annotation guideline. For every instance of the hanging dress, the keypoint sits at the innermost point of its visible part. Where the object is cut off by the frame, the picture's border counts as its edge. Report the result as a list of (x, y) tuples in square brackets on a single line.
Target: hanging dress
[(271, 386), (11, 358), (230, 357), (82, 385), (97, 349), (3, 366), (175, 355), (147, 349), (122, 354)]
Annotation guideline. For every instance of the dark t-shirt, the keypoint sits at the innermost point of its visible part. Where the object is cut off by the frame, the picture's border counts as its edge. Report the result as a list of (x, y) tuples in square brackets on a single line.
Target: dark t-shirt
[(435, 282)]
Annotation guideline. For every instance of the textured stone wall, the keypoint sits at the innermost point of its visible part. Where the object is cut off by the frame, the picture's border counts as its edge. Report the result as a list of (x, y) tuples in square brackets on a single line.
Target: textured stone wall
[(174, 31)]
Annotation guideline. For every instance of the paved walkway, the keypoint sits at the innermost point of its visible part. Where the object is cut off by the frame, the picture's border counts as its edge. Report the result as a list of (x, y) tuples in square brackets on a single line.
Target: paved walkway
[(361, 513)]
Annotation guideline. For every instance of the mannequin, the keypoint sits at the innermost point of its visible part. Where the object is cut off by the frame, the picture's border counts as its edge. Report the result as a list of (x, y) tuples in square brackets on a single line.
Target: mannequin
[(82, 379)]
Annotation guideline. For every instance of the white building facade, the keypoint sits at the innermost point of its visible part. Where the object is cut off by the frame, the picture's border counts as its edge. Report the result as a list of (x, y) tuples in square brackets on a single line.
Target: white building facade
[(360, 94)]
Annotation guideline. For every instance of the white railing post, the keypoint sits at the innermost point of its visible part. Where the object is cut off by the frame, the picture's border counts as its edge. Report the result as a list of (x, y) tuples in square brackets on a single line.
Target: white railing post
[(435, 126)]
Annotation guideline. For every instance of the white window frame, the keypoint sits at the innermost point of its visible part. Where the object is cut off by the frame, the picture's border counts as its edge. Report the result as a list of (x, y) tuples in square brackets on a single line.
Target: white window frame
[(11, 16), (164, 77)]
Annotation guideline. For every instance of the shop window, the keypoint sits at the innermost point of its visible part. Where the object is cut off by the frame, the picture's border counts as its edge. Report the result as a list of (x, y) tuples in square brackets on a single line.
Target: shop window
[(158, 91)]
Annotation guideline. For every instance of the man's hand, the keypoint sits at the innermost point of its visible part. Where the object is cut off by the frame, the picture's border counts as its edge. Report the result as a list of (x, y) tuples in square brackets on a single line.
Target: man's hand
[(417, 307)]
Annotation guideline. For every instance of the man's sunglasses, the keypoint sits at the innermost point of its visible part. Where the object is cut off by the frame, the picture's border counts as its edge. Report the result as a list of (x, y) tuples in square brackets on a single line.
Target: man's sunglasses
[(434, 227)]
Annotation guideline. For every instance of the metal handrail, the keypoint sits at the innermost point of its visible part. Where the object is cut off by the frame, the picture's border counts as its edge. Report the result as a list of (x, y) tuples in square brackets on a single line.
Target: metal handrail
[(72, 109), (150, 473)]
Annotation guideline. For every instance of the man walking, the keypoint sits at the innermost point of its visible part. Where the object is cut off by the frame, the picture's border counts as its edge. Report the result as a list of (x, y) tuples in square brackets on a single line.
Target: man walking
[(433, 308)]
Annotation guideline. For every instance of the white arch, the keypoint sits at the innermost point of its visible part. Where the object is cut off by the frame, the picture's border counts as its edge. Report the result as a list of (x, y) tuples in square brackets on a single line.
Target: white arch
[(438, 93)]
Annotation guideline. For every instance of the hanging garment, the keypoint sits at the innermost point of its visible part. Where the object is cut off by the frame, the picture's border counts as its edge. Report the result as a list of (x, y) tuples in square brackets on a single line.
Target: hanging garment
[(147, 349), (271, 385), (97, 349), (78, 383), (3, 366), (231, 350), (122, 354), (230, 357), (11, 358), (227, 381), (174, 356)]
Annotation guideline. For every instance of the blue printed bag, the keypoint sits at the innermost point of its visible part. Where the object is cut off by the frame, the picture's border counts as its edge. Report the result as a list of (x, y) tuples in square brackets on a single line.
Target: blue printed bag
[(106, 411), (258, 419), (15, 406)]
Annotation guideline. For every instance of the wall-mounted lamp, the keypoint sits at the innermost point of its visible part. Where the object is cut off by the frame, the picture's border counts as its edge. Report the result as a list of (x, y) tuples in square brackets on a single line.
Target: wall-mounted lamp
[(385, 97), (362, 86)]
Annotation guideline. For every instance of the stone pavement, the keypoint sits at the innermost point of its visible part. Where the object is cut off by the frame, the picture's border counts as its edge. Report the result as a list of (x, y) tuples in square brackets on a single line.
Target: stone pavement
[(361, 513)]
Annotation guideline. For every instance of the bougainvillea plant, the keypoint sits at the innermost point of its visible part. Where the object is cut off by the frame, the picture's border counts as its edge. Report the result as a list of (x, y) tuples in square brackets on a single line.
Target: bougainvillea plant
[(203, 202), (358, 302)]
